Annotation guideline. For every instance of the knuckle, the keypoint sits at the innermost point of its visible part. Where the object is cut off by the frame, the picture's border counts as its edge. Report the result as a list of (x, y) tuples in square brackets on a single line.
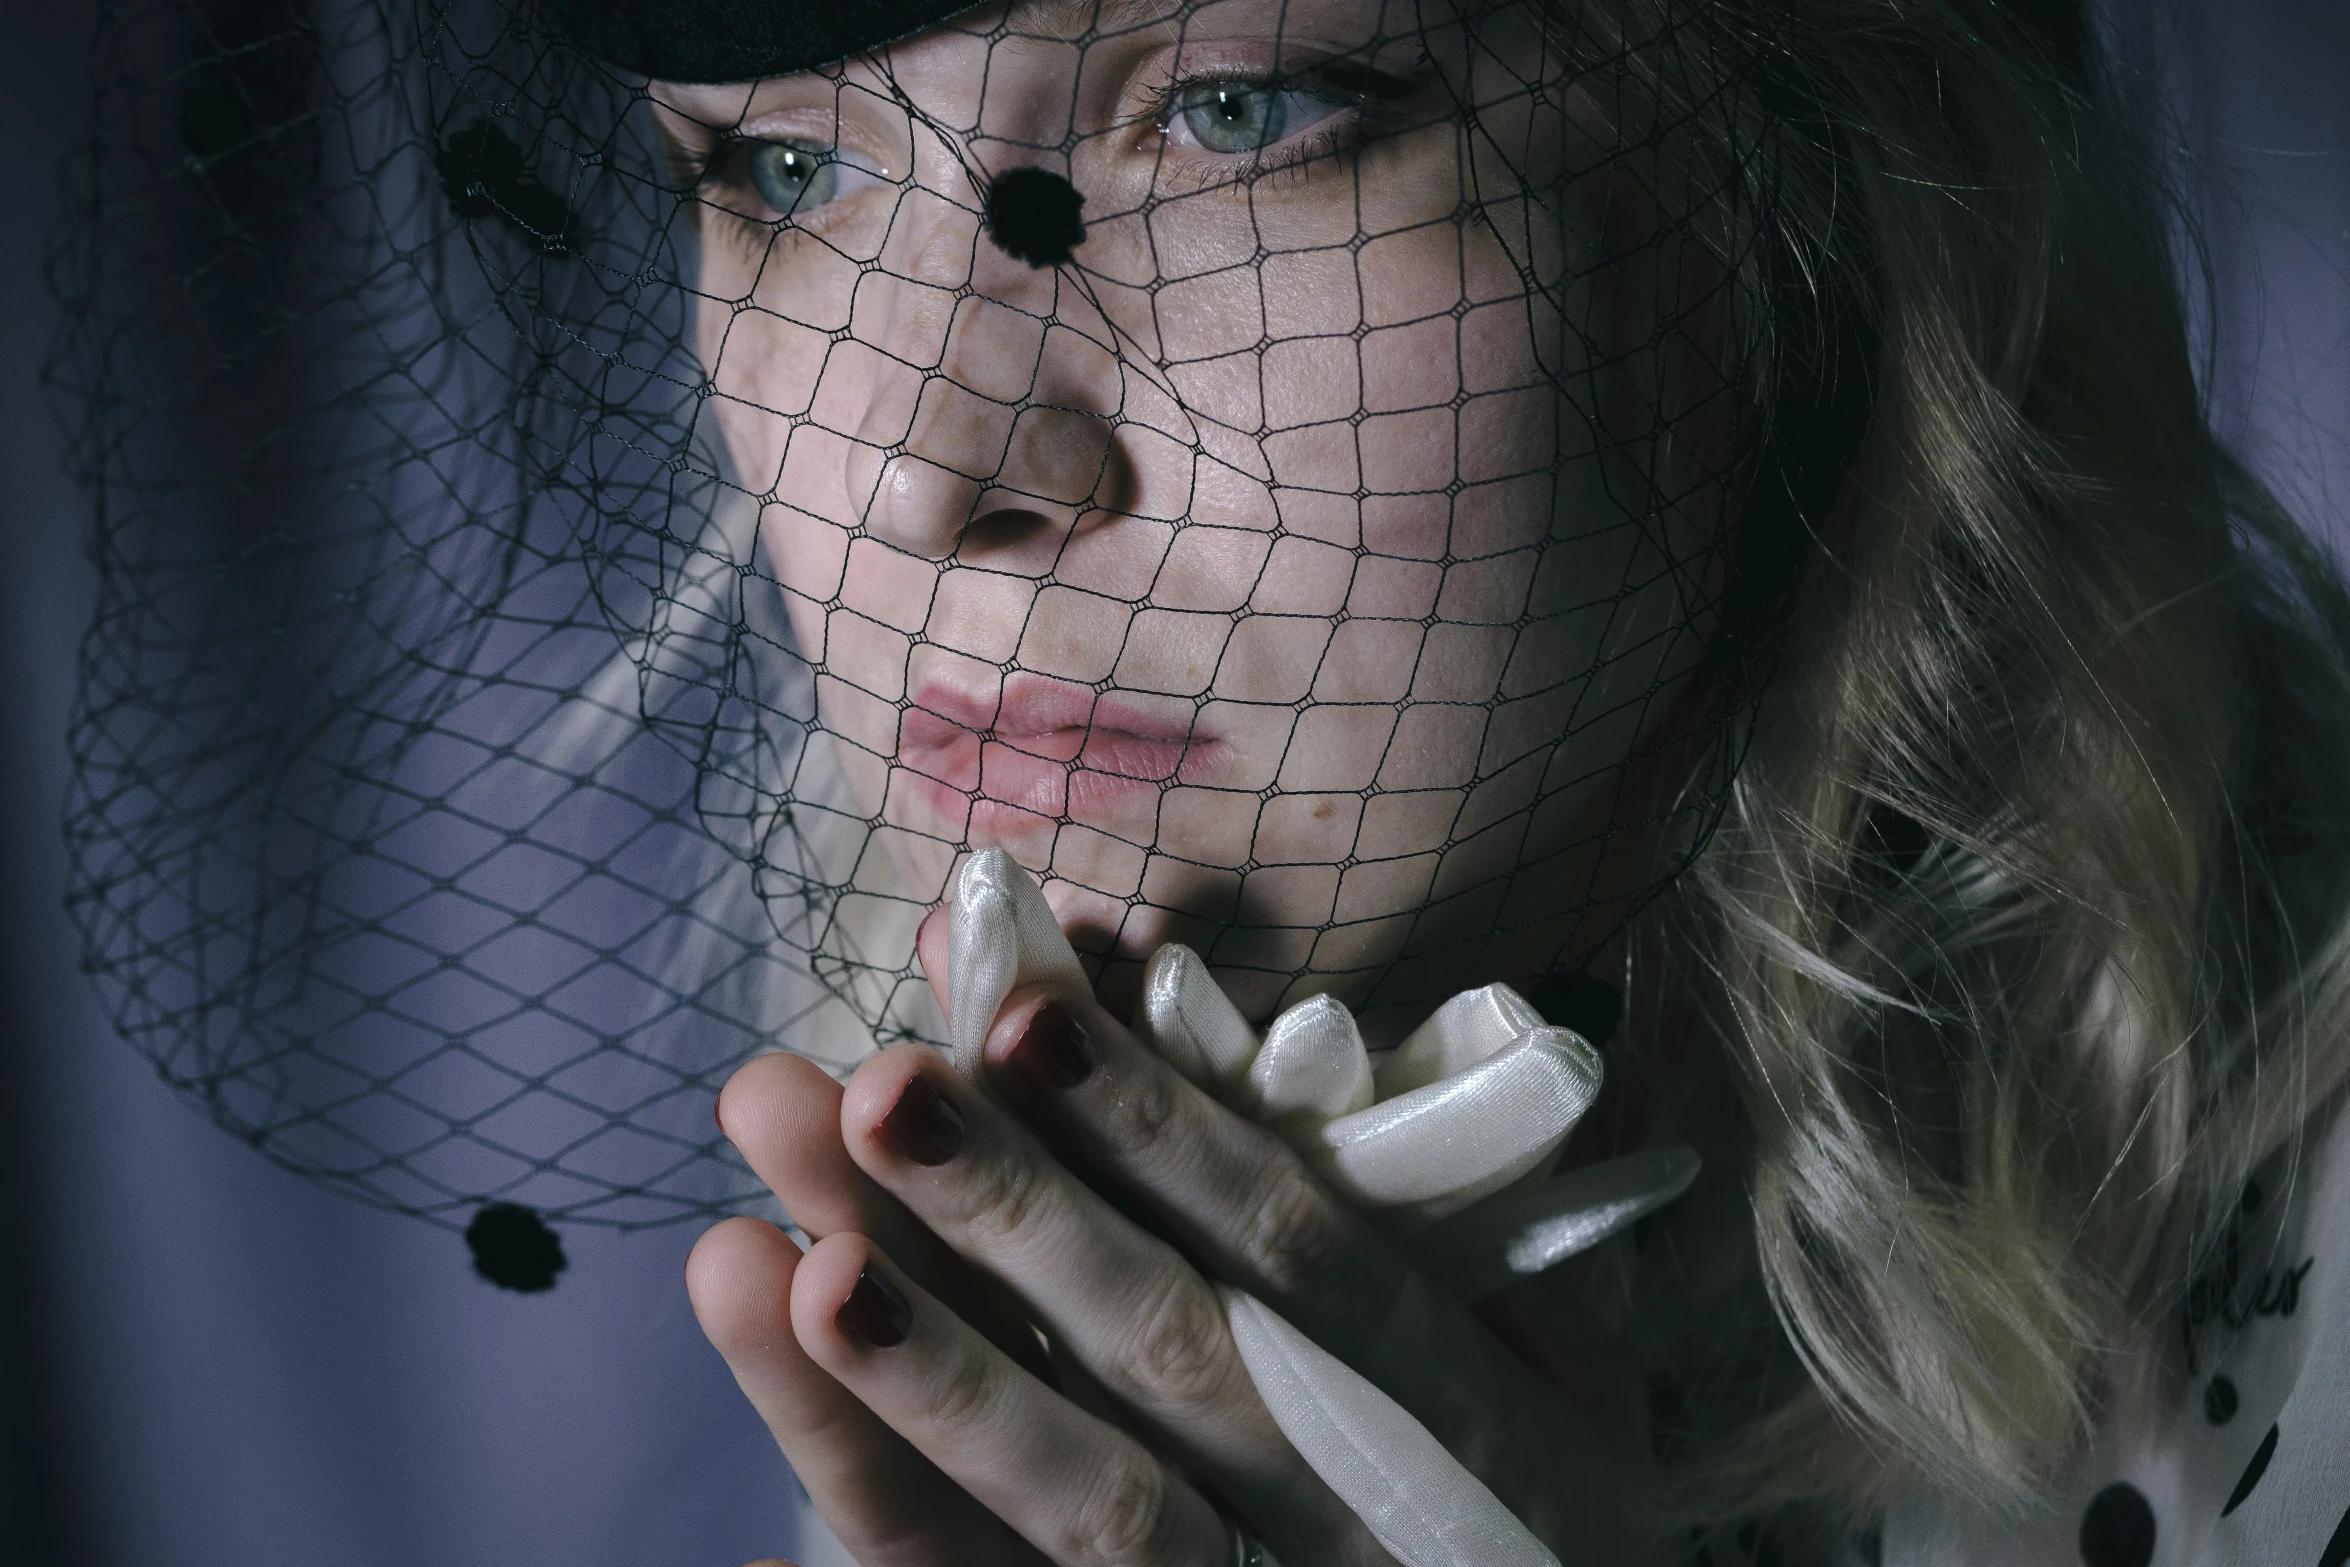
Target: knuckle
[(1129, 1518), (1181, 1345), (964, 1393), (1152, 1111), (1002, 1195), (1295, 1233)]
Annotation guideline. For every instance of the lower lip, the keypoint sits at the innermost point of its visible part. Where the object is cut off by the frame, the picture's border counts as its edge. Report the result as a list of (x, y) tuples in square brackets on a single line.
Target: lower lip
[(1067, 774)]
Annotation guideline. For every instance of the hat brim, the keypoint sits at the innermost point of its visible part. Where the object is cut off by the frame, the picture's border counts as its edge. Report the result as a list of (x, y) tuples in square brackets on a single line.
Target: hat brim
[(739, 40)]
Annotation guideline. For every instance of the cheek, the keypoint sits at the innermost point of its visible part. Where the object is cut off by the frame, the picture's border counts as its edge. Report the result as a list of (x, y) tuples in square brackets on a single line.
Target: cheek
[(764, 371), (765, 319)]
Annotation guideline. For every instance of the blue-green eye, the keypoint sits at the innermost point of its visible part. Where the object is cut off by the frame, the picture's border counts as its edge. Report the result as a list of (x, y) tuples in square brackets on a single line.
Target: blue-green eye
[(793, 177), (1239, 115), (1235, 116)]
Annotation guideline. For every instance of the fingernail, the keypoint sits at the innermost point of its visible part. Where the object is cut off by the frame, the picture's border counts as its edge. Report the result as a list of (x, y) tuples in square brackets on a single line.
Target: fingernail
[(875, 1314), (1055, 1049), (924, 1124)]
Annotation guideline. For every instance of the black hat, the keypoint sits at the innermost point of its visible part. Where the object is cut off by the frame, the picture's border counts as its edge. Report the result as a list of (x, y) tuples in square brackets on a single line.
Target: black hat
[(738, 40)]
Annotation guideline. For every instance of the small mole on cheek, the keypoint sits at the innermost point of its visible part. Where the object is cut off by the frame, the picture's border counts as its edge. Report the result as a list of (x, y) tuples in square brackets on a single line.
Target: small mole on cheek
[(1325, 811)]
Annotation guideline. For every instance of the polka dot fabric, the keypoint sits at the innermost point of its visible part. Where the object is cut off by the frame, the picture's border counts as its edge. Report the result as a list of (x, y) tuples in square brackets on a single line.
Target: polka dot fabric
[(2234, 1451)]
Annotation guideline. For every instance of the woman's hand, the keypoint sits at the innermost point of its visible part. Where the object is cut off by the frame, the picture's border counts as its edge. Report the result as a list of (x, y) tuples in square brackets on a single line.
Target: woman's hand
[(895, 1367)]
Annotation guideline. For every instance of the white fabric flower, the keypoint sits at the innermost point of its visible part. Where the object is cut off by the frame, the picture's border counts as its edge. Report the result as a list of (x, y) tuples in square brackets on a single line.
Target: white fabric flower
[(1477, 1099)]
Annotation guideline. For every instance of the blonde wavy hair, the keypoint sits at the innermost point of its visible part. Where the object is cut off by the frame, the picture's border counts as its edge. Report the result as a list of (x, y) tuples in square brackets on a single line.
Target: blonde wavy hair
[(2024, 928)]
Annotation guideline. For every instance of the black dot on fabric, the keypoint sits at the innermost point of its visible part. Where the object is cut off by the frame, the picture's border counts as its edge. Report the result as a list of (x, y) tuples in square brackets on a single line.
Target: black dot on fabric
[(2220, 1401), (2252, 1472), (2118, 1528), (513, 1248), (2337, 1550), (1035, 216), (2252, 1197)]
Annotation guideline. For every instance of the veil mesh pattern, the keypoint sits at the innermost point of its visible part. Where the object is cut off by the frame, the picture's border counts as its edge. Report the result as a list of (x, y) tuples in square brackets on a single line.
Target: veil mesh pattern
[(561, 620)]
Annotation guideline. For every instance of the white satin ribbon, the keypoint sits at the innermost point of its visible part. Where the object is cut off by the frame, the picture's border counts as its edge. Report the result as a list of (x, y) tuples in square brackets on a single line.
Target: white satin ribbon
[(1462, 1117), (1414, 1496), (1444, 1144)]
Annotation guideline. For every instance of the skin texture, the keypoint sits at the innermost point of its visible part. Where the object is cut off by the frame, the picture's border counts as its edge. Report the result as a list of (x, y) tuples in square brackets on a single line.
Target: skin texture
[(1297, 594)]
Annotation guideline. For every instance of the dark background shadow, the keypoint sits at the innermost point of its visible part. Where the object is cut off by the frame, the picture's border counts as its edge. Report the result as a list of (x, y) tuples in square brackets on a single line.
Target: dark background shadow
[(42, 1503)]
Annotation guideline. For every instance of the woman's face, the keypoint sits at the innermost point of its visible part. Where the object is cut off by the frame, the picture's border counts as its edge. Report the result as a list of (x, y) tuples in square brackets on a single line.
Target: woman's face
[(1293, 570)]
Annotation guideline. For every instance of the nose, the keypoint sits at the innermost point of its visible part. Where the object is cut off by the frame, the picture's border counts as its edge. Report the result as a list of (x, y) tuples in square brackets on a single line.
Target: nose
[(991, 392)]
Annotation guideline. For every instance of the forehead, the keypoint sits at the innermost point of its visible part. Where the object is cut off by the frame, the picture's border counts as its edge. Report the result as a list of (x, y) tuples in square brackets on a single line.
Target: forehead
[(1012, 50), (1075, 19)]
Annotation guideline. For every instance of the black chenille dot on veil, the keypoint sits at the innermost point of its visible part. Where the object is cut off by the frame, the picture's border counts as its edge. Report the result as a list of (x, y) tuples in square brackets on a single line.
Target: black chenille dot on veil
[(2220, 1400), (1035, 216), (2117, 1530), (484, 176), (513, 1248)]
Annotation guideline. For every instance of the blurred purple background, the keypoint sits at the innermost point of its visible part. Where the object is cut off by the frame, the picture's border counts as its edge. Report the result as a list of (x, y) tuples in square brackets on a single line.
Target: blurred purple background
[(214, 1362), (2257, 93)]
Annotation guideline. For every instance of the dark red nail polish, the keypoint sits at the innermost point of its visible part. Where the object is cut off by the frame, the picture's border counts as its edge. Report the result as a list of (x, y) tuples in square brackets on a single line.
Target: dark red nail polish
[(1055, 1050), (875, 1314), (924, 1124)]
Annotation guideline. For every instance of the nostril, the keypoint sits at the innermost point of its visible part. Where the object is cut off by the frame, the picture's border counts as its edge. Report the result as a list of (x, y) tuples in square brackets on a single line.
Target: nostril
[(1009, 535)]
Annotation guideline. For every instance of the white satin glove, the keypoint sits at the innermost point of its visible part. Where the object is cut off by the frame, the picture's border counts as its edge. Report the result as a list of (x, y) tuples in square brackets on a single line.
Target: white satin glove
[(1446, 1143)]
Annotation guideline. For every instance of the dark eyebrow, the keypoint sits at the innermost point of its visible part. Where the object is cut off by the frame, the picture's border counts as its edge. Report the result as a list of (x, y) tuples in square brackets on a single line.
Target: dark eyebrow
[(1073, 18)]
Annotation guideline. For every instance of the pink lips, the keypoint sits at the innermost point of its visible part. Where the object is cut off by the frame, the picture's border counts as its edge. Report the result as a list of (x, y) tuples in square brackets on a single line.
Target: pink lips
[(1043, 747)]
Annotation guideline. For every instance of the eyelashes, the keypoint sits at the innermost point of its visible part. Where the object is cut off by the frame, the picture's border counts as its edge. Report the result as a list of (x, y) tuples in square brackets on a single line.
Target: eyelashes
[(771, 181), (1253, 124), (754, 193)]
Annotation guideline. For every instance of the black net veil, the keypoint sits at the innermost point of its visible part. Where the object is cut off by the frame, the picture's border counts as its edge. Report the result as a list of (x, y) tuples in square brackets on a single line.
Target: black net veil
[(584, 555)]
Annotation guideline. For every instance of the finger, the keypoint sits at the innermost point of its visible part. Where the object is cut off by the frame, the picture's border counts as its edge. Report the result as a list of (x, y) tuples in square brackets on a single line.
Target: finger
[(1252, 1211), (1239, 1196), (1428, 1153), (1123, 1304), (1003, 933), (1082, 1491), (782, 1112), (931, 939), (1480, 1094), (888, 1504)]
